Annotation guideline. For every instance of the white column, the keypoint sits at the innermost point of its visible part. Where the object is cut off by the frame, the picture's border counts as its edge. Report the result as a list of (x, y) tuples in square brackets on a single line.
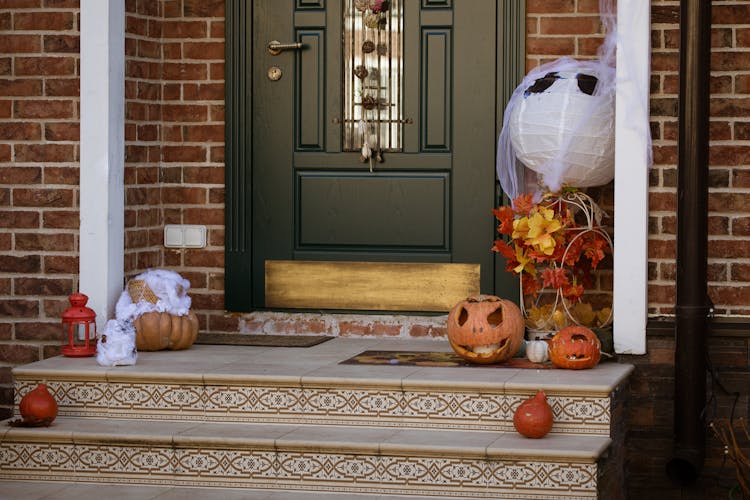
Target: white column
[(631, 176), (102, 154)]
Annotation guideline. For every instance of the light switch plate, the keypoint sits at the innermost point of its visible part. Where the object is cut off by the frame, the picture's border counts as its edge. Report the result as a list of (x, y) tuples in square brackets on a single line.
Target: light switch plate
[(184, 236)]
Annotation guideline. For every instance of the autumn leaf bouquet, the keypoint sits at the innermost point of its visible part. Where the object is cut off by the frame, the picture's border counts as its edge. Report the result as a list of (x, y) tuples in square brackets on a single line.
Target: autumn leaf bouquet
[(556, 245)]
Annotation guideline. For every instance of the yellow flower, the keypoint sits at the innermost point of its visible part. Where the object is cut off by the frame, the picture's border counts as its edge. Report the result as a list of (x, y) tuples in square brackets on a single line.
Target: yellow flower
[(524, 263), (541, 227), (520, 228)]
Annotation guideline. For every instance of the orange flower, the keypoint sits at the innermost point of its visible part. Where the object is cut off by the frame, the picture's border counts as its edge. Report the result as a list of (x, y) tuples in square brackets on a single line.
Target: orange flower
[(505, 216)]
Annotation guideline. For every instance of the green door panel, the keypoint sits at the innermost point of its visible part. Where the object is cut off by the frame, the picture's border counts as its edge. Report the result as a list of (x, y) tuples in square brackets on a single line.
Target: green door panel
[(293, 194)]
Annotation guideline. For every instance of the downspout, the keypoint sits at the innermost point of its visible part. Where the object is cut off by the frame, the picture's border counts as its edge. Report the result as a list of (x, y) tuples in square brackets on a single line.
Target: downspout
[(692, 306)]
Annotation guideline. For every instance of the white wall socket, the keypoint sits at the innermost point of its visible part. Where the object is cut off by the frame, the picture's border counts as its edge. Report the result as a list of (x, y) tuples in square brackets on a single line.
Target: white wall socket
[(184, 236)]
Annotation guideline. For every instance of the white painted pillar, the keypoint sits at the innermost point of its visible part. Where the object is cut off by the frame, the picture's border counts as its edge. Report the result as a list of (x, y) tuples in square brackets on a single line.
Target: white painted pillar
[(632, 158), (102, 154)]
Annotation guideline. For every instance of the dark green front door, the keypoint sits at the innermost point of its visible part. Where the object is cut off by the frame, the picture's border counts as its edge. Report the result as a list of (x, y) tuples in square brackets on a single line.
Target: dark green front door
[(301, 196)]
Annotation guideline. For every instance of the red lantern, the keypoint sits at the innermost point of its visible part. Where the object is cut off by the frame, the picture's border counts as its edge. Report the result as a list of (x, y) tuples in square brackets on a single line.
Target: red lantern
[(79, 315)]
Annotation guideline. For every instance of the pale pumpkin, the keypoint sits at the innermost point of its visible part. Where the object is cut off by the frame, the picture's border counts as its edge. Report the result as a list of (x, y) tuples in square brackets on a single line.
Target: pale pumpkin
[(485, 329), (155, 331)]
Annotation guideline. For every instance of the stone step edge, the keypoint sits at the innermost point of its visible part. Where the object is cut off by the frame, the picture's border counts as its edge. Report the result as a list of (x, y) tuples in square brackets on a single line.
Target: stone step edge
[(482, 445), (588, 387)]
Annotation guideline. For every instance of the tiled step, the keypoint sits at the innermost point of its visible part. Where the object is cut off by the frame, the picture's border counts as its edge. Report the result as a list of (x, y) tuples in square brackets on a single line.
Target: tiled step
[(309, 458), (309, 386)]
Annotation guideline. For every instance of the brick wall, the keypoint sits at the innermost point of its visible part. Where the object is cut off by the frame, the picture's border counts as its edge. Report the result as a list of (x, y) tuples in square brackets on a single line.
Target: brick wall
[(39, 107)]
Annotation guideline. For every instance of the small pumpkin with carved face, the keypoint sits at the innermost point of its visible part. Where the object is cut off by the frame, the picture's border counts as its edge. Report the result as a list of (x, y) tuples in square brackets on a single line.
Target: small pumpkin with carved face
[(485, 329), (575, 348)]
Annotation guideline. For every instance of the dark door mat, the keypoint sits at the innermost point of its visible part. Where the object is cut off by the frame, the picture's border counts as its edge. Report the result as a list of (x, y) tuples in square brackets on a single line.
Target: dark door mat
[(415, 358), (260, 340)]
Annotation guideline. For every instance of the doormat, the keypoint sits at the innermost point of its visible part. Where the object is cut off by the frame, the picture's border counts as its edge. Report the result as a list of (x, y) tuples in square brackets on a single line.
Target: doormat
[(449, 359), (261, 340)]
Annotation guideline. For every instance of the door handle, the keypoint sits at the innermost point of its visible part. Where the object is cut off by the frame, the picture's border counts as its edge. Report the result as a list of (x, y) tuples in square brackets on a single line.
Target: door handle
[(275, 47)]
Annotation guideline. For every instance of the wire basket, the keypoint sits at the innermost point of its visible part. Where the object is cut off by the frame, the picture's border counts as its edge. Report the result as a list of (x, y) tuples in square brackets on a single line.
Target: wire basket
[(140, 291)]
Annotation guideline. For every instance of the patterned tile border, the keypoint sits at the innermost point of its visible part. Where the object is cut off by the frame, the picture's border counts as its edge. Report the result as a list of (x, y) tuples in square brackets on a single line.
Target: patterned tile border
[(312, 471), (319, 405)]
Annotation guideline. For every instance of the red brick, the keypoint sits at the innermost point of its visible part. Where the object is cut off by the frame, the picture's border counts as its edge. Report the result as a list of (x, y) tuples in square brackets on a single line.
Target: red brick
[(184, 29), (740, 272), (184, 153), (728, 249), (217, 29), (19, 44), (62, 87), (20, 175), (661, 249), (5, 66), (6, 109), (742, 84), (45, 242), (184, 71), (217, 70), (149, 49), (204, 175), (428, 331), (741, 225), (734, 295), (589, 46), (172, 51), (172, 8), (44, 109), (204, 258), (18, 353), (62, 4), (743, 37), (148, 133), (20, 4), (361, 329), (666, 202), (39, 331), (549, 45), (42, 286), (51, 351), (665, 155), (203, 50), (532, 25), (26, 264), (217, 113), (741, 178), (223, 323), (665, 61), (728, 202), (172, 92), (18, 219), (62, 44), (46, 66), (203, 92), (729, 155), (44, 21), (60, 219), (665, 14), (21, 87), (142, 69), (579, 25), (203, 8), (216, 196), (61, 175), (5, 152), (5, 21), (209, 216), (730, 61), (44, 153), (217, 154), (721, 37), (20, 131), (60, 264), (729, 14), (183, 195), (204, 133), (721, 84), (184, 113), (661, 294), (550, 6), (43, 197), (58, 131)]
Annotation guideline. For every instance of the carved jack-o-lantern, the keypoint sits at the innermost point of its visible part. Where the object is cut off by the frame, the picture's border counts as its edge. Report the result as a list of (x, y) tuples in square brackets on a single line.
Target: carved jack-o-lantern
[(576, 348), (485, 329)]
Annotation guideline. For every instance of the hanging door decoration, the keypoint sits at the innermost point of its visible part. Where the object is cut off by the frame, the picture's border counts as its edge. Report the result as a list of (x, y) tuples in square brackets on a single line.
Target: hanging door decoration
[(373, 42)]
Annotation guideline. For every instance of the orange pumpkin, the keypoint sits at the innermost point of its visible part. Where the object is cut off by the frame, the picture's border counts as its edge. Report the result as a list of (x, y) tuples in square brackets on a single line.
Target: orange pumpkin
[(155, 331), (485, 329), (575, 348)]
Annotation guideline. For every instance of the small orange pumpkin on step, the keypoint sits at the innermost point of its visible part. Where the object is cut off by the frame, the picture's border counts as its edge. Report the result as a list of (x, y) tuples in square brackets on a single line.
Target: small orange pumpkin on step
[(485, 329), (575, 348), (155, 331)]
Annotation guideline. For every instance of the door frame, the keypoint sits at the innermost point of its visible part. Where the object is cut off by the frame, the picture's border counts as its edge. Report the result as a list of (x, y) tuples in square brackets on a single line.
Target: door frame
[(510, 68)]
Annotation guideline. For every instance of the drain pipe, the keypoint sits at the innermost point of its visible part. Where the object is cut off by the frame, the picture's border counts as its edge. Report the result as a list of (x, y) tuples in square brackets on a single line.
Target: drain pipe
[(692, 307)]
